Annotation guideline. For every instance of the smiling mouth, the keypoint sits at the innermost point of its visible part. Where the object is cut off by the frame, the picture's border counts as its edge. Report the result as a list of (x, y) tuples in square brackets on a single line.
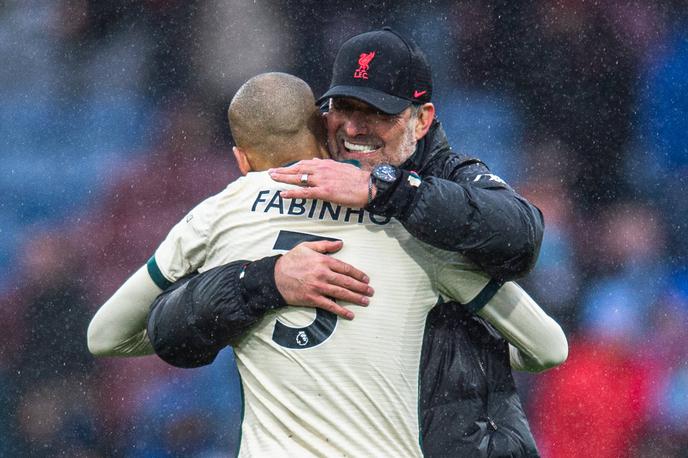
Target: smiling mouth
[(360, 148)]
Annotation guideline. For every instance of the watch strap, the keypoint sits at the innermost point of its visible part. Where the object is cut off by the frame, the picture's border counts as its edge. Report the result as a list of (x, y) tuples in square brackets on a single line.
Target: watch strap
[(396, 200)]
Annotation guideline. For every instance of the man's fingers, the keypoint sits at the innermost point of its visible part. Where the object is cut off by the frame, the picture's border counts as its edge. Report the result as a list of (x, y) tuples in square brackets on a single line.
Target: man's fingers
[(331, 306), (347, 269), (295, 170), (299, 193), (305, 166), (344, 294), (358, 287), (324, 246), (292, 178)]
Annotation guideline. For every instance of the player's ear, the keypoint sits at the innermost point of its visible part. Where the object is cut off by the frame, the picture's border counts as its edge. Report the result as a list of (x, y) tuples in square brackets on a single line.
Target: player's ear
[(242, 160), (426, 114)]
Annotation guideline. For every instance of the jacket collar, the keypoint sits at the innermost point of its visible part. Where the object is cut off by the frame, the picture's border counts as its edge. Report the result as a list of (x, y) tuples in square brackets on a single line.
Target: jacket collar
[(434, 142)]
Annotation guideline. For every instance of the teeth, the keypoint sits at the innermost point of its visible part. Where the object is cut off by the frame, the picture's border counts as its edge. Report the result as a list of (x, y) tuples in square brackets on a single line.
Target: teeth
[(359, 148)]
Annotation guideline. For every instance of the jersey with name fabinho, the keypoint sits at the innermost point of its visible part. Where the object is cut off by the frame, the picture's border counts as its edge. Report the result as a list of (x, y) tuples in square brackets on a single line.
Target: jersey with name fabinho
[(315, 384)]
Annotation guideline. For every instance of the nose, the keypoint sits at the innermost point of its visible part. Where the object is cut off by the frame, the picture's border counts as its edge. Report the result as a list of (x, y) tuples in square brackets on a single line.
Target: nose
[(356, 123)]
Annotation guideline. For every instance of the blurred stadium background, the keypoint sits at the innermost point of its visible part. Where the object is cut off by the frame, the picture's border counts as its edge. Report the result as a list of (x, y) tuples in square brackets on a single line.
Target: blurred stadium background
[(112, 124)]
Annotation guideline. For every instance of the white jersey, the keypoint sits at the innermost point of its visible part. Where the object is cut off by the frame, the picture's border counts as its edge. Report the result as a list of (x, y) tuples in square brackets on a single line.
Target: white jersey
[(313, 384)]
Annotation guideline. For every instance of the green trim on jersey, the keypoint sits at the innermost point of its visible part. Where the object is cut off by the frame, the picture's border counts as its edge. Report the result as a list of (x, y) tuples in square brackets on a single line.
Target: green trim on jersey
[(483, 296), (157, 276), (352, 162)]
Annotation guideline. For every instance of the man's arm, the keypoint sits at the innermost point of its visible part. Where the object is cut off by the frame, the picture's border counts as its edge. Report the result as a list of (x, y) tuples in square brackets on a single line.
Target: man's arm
[(197, 317), (119, 326), (311, 279), (536, 341), (191, 321), (466, 209), (458, 205)]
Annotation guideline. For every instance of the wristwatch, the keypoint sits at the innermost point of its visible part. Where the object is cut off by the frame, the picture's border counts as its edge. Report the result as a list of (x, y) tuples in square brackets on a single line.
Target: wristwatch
[(383, 176)]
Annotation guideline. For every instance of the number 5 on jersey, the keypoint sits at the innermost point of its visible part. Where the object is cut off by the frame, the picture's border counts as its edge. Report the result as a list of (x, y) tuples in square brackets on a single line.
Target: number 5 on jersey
[(325, 322)]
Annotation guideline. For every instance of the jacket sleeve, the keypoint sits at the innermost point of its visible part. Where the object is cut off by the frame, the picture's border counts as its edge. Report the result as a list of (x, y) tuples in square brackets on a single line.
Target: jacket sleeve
[(199, 315), (466, 209)]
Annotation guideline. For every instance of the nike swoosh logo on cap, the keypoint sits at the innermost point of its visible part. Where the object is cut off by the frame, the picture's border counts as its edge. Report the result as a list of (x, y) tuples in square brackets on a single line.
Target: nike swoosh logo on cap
[(417, 94)]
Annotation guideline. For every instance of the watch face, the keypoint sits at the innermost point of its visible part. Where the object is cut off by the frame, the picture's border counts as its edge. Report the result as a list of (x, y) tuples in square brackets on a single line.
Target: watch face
[(385, 172)]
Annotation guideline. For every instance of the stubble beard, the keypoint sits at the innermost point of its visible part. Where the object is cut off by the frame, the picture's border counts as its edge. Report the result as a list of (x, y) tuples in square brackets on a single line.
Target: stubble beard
[(408, 144), (406, 149)]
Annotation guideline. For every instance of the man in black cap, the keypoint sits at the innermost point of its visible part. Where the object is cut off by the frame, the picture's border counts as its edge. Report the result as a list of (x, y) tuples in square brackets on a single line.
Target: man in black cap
[(380, 115)]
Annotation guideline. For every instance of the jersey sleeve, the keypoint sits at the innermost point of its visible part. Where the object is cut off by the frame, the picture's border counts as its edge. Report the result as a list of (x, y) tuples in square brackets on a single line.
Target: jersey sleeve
[(459, 279), (119, 326), (184, 249), (537, 341)]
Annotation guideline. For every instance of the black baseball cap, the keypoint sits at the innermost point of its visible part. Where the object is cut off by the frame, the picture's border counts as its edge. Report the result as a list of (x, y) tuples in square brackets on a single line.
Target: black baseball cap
[(383, 69)]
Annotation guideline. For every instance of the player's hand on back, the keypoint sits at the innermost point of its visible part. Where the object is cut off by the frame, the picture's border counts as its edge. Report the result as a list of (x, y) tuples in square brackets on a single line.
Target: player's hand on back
[(327, 180), (307, 276)]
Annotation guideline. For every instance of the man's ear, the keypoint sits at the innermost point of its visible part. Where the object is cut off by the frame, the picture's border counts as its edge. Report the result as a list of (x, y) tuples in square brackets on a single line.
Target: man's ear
[(242, 160), (425, 116)]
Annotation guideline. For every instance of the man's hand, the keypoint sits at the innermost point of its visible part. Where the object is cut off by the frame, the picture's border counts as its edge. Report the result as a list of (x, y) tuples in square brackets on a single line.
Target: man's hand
[(327, 180), (306, 276)]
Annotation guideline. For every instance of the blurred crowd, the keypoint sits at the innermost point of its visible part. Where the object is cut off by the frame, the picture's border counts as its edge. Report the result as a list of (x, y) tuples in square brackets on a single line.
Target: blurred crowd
[(112, 125)]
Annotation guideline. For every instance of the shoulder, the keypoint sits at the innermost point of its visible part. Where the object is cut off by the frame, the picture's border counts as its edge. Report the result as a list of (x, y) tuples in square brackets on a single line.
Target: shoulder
[(444, 162), (472, 171)]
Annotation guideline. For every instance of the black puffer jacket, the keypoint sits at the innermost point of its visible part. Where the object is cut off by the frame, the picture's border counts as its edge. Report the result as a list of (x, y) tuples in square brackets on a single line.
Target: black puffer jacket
[(468, 399), (463, 207)]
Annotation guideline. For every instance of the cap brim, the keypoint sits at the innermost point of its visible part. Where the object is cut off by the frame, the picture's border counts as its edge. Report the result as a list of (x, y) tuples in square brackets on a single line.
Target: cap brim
[(381, 101)]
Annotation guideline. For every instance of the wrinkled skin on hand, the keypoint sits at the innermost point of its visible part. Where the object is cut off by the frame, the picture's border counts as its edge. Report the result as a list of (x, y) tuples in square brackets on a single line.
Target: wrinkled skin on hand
[(307, 276), (328, 180)]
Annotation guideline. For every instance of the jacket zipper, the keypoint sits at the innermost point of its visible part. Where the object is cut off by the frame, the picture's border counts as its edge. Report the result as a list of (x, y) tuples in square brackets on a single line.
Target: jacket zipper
[(490, 421)]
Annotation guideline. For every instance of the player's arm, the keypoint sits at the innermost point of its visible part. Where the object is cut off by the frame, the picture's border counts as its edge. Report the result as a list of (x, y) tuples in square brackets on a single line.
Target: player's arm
[(537, 341), (119, 327)]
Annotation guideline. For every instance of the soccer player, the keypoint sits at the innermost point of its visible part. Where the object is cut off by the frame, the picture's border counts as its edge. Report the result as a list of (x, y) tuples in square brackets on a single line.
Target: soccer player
[(322, 386)]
